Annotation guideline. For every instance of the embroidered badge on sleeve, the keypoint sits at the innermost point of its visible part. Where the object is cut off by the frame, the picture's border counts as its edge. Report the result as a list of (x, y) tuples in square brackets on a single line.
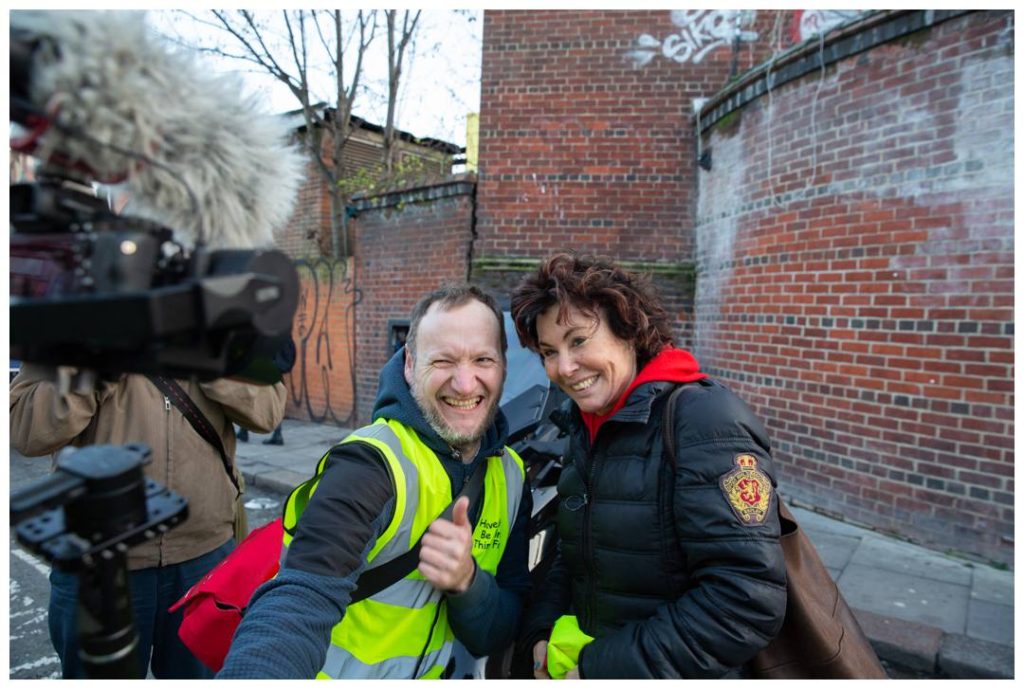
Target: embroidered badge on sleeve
[(748, 490)]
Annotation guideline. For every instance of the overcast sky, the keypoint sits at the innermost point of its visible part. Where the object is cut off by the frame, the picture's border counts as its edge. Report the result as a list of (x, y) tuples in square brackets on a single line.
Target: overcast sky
[(440, 85)]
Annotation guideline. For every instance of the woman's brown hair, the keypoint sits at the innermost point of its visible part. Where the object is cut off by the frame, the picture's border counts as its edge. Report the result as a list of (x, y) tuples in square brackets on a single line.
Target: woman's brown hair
[(597, 287)]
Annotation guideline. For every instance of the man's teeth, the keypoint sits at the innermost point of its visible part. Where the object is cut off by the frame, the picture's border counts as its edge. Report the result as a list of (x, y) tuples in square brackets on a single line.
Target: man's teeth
[(584, 384), (462, 404)]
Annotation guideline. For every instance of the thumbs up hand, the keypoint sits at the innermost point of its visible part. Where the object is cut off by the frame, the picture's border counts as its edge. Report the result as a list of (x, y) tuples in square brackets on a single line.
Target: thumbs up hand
[(446, 551), (460, 513)]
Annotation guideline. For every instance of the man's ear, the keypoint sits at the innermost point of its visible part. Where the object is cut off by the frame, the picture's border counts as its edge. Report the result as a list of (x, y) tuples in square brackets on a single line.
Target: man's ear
[(409, 366)]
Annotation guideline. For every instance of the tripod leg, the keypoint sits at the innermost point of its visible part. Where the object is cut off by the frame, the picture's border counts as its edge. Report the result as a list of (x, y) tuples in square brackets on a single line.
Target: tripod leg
[(107, 638)]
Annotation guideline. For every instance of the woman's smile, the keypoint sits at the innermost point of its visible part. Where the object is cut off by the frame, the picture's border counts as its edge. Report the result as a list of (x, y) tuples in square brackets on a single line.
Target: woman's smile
[(585, 359)]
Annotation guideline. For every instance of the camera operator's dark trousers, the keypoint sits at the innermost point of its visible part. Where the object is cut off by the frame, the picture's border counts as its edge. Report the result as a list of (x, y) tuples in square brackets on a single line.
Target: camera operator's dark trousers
[(153, 590)]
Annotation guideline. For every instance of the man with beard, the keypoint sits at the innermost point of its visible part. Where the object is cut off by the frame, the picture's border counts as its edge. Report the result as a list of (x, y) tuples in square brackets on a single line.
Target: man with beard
[(436, 419)]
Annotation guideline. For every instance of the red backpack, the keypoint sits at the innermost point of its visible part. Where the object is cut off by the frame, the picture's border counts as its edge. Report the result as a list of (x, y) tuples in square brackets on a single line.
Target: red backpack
[(213, 608)]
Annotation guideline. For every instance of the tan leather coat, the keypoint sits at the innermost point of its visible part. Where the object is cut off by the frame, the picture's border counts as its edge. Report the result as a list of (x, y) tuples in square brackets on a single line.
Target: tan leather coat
[(133, 410)]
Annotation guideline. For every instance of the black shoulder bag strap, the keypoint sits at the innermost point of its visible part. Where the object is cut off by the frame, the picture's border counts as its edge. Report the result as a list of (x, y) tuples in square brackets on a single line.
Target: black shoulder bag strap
[(668, 426), (180, 399), (379, 578)]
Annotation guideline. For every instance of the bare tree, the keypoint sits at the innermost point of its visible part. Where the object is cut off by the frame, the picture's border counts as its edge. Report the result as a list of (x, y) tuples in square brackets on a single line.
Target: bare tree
[(303, 43), (299, 44), (396, 52)]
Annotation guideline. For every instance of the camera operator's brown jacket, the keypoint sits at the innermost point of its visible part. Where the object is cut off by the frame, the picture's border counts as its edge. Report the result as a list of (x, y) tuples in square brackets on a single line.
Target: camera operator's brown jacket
[(132, 410)]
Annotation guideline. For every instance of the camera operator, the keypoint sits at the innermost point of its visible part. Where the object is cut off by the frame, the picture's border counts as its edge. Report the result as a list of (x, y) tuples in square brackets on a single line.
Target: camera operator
[(45, 418)]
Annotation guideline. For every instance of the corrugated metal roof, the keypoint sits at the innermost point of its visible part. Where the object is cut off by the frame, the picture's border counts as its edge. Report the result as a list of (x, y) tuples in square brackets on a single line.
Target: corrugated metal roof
[(296, 120)]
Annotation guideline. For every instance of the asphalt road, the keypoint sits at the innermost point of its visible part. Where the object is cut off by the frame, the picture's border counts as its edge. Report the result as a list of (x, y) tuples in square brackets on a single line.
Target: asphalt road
[(31, 655)]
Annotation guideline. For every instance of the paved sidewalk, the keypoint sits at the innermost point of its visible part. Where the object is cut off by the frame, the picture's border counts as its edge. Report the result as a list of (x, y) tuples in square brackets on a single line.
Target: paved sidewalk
[(923, 610), (282, 467)]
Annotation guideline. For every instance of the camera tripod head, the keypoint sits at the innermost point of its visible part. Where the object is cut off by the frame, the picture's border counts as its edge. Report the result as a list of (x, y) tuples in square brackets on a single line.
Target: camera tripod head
[(83, 518), (97, 503)]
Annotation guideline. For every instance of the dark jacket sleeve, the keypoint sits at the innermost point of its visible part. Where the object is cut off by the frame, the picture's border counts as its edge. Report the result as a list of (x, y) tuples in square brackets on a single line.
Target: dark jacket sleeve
[(737, 600), (485, 618), (286, 630)]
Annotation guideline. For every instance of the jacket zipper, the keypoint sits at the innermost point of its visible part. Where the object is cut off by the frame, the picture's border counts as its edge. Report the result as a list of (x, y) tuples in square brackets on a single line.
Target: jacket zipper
[(167, 476), (586, 541), (588, 554), (589, 560)]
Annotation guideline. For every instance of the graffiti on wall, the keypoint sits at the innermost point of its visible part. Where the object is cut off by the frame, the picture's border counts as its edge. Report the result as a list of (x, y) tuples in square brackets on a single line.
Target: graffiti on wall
[(322, 383), (700, 32), (810, 23)]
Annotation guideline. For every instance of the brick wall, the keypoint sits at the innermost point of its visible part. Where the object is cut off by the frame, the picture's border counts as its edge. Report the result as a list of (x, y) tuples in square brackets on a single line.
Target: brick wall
[(581, 148), (407, 244), (855, 281), (308, 231), (852, 243), (418, 229), (310, 223)]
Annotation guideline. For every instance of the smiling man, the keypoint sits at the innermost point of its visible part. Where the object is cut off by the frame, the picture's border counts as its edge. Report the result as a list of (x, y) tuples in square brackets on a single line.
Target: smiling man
[(457, 381), (436, 419)]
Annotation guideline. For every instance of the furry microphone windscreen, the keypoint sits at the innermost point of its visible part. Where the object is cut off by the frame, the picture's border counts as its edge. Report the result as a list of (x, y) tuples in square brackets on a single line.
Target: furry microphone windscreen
[(109, 76)]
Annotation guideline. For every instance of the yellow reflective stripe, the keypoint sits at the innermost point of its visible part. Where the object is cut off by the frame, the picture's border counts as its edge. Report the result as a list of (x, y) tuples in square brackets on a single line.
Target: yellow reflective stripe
[(435, 488), (341, 664), (379, 436), (513, 468), (411, 592), (374, 632), (434, 672), (299, 498), (503, 491), (382, 437), (492, 527)]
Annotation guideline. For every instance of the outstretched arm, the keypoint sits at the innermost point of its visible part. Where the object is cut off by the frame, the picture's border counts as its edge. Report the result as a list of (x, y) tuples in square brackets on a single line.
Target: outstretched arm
[(286, 632)]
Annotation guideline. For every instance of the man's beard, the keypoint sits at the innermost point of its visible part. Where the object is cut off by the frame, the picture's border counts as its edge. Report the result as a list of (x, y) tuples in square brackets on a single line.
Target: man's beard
[(447, 433)]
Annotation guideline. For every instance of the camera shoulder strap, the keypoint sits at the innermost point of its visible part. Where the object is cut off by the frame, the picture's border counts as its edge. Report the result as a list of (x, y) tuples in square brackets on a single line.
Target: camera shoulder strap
[(180, 399)]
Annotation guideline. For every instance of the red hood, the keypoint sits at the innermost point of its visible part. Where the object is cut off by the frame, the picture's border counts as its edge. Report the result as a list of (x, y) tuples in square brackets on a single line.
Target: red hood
[(671, 364)]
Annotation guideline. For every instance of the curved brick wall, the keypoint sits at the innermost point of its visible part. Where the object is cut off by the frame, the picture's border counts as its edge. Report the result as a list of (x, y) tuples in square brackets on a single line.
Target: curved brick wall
[(855, 279)]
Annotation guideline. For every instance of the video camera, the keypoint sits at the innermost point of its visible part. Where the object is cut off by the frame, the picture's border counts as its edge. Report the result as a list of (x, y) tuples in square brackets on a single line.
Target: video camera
[(183, 284), (114, 294)]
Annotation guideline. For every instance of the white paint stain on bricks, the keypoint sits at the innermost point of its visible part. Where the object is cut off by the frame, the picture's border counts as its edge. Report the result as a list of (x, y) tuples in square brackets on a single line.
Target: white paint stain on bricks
[(700, 32), (814, 22)]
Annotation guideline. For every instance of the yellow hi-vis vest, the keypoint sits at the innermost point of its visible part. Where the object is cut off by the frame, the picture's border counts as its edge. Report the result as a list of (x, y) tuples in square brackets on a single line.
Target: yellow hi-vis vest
[(403, 631)]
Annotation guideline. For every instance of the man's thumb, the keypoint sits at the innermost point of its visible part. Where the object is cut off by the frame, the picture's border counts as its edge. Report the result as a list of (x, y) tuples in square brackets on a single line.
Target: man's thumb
[(460, 513)]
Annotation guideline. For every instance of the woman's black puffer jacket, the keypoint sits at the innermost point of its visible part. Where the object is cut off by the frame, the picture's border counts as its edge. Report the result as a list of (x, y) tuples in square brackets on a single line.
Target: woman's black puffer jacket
[(672, 580)]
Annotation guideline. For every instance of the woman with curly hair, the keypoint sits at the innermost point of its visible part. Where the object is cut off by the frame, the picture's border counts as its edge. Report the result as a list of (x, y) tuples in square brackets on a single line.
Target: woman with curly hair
[(668, 566)]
